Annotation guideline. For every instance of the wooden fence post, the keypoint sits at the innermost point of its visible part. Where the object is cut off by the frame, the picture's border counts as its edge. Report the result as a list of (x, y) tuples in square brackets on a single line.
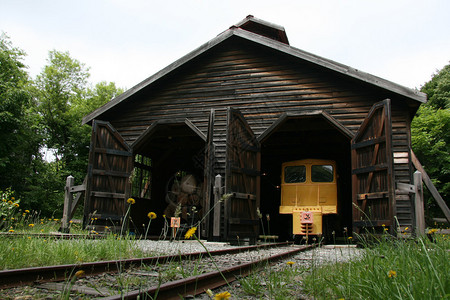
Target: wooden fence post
[(68, 199), (418, 204), (218, 191)]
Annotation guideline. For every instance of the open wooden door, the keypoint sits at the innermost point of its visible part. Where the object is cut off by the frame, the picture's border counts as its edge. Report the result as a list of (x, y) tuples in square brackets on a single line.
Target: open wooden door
[(108, 186), (373, 187), (208, 182), (242, 180)]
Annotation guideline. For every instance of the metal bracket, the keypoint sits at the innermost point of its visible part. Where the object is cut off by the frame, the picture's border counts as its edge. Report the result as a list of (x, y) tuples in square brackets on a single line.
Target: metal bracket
[(406, 187)]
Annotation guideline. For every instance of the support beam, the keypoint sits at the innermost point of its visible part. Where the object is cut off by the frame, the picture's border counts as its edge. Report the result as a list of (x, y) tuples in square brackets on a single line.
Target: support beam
[(431, 186)]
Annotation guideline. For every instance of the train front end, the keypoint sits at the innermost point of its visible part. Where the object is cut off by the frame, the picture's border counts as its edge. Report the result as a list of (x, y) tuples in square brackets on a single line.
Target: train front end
[(308, 191)]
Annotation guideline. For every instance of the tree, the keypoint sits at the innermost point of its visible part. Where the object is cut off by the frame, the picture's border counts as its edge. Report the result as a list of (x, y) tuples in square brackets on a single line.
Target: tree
[(430, 130), (438, 89), (45, 114), (61, 84), (19, 136), (63, 98)]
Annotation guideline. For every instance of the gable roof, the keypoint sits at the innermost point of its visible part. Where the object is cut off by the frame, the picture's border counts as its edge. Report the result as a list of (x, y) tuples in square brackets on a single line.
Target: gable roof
[(271, 36)]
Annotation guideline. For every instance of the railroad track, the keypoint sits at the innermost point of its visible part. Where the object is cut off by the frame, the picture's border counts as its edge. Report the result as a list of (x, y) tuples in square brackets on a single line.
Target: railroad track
[(56, 235), (152, 277)]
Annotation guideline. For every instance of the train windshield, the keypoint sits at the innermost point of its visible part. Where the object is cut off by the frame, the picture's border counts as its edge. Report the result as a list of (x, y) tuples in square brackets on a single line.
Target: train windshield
[(322, 173), (294, 174)]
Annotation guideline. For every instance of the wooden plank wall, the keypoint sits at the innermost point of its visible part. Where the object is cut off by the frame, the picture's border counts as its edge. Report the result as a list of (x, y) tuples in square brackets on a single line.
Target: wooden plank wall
[(262, 85)]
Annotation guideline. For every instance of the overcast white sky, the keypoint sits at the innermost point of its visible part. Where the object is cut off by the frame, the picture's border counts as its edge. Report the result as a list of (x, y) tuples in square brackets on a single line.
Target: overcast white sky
[(404, 41)]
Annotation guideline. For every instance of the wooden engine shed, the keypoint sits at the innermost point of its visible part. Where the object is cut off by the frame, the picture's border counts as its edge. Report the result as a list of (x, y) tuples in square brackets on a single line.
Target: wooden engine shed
[(239, 106)]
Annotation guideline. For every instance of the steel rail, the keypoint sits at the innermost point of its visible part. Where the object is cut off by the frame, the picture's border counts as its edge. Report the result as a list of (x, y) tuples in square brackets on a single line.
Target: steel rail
[(62, 236), (28, 276), (195, 285)]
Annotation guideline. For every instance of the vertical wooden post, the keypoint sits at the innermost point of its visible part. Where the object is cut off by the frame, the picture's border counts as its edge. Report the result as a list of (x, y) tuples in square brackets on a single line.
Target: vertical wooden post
[(418, 204), (68, 199), (218, 191)]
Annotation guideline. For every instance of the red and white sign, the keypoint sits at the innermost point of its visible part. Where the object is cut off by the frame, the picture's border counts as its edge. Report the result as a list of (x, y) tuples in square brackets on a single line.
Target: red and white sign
[(174, 222), (306, 217)]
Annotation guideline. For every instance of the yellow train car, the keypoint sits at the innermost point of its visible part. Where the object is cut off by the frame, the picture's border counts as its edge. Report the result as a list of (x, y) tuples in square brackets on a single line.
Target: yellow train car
[(308, 191)]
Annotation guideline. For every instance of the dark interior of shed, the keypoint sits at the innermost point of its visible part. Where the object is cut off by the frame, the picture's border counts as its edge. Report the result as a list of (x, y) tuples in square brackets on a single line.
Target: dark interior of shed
[(306, 137), (175, 150)]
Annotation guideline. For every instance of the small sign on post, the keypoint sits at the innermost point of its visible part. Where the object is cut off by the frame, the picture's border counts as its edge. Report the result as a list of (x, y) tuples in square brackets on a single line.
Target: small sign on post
[(174, 223), (306, 217)]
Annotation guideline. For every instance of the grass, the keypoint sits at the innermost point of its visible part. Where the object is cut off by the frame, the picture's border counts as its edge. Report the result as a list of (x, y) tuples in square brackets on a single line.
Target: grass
[(391, 268), (388, 269), (29, 251)]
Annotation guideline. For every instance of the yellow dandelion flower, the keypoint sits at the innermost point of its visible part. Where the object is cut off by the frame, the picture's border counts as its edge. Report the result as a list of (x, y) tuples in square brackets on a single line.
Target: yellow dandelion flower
[(12, 198), (350, 237), (431, 231), (42, 222), (70, 221), (151, 215), (10, 202), (190, 233), (56, 220), (29, 237), (16, 204), (31, 225), (131, 201), (406, 228), (80, 274), (290, 263), (27, 211), (42, 230), (386, 229), (392, 273), (383, 225), (11, 230), (164, 216), (222, 296)]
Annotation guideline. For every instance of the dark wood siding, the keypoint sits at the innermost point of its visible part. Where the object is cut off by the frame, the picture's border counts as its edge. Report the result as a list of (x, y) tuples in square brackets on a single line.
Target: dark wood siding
[(261, 84)]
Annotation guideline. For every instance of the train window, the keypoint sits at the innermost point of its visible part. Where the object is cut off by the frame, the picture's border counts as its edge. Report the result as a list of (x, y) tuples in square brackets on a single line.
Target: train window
[(322, 173), (294, 174)]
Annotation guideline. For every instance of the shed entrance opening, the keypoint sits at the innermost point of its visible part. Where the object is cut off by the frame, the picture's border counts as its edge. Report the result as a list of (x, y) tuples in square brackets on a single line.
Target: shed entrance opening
[(176, 154), (309, 135)]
